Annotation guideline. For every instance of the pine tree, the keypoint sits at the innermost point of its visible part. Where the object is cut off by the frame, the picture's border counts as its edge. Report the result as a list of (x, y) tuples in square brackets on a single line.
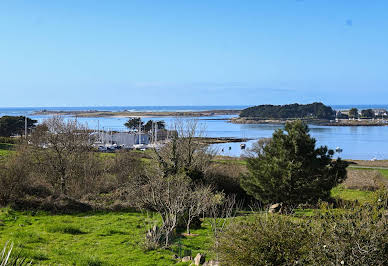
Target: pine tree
[(289, 169)]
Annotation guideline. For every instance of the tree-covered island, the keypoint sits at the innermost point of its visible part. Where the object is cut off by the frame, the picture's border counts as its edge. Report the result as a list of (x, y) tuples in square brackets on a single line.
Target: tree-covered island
[(314, 113), (314, 110)]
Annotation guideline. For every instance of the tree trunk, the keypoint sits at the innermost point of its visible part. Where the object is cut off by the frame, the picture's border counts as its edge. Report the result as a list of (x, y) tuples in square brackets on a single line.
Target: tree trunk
[(188, 227), (63, 186)]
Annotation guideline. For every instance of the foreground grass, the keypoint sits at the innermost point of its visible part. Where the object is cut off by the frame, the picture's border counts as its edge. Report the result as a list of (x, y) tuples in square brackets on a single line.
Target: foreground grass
[(90, 239), (114, 238)]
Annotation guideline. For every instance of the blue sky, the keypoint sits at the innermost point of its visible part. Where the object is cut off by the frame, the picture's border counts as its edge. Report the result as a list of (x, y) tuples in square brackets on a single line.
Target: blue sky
[(86, 53)]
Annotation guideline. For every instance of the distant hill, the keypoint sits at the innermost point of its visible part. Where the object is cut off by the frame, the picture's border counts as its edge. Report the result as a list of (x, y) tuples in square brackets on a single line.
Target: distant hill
[(313, 110)]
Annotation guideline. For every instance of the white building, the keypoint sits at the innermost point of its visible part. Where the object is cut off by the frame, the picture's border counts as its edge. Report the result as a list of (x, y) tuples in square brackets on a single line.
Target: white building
[(124, 139)]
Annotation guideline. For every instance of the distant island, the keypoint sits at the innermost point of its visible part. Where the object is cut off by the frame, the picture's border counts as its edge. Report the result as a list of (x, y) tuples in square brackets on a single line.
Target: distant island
[(314, 113)]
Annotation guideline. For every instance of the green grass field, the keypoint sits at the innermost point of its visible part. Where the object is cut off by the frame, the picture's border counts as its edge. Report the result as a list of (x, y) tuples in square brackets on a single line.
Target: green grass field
[(351, 194), (5, 149), (90, 239)]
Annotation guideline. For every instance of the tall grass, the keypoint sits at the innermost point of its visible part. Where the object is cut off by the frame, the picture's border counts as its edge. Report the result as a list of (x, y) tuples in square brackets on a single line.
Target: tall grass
[(7, 259)]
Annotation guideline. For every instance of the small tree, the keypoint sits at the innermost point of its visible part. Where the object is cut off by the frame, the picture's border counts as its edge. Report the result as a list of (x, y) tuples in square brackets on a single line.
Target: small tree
[(197, 204), (153, 125), (166, 195), (368, 113), (61, 148), (289, 169), (184, 153), (134, 123), (353, 113)]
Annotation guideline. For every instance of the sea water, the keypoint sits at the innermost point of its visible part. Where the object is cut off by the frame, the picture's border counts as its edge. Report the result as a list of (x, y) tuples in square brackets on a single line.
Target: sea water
[(357, 142)]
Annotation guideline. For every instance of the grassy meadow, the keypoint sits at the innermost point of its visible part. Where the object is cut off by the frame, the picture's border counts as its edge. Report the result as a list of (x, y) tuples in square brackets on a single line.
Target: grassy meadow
[(91, 238), (115, 238)]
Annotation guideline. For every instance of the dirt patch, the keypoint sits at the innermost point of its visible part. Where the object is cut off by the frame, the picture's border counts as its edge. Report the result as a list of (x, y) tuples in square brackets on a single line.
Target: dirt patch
[(363, 179), (189, 235), (53, 204), (377, 163)]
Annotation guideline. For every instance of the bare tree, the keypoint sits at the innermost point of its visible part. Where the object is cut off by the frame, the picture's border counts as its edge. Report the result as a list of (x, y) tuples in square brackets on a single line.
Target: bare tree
[(60, 148), (221, 208), (197, 204), (184, 153), (166, 195), (257, 147)]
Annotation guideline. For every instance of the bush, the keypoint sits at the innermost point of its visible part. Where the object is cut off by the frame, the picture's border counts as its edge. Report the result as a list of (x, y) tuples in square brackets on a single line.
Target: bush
[(353, 236), (265, 240), (226, 178), (358, 236), (14, 178)]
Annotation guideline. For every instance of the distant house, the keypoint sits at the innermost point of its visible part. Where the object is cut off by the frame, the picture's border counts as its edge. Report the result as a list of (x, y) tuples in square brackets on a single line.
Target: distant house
[(125, 139), (380, 112), (129, 139), (340, 115)]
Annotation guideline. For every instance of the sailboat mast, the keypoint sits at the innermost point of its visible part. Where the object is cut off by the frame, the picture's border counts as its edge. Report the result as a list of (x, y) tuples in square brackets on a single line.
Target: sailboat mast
[(139, 132), (25, 127), (156, 132)]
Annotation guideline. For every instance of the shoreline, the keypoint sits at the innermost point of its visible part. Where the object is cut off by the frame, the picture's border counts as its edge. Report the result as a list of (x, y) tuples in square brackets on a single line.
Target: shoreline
[(95, 113), (319, 122), (220, 140)]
